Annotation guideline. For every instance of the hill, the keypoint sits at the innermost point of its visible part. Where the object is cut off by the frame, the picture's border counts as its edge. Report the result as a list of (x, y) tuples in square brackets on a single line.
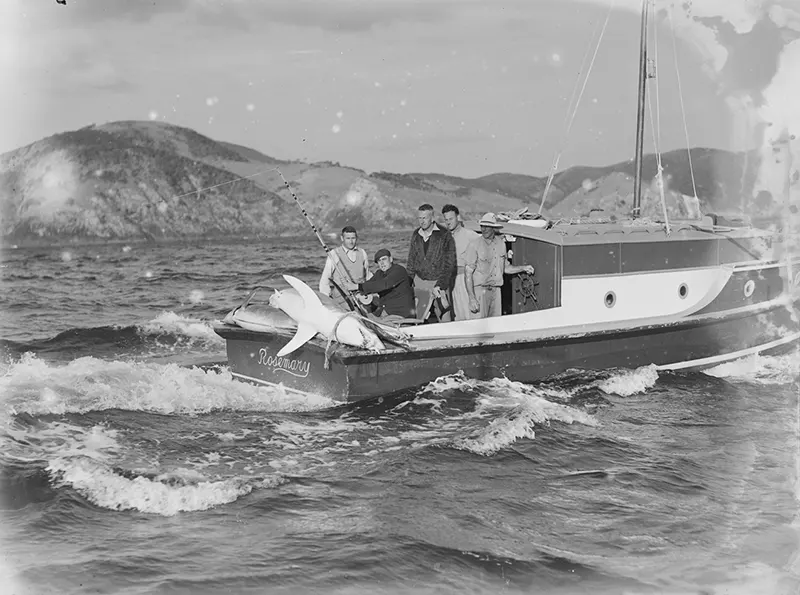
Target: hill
[(153, 181)]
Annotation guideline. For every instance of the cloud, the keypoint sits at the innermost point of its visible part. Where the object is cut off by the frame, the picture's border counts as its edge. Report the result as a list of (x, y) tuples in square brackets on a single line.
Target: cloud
[(87, 70), (67, 63), (406, 144)]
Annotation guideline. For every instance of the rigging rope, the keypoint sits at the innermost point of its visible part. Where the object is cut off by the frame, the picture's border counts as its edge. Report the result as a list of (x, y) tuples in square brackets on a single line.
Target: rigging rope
[(656, 126), (680, 96), (571, 116), (584, 63)]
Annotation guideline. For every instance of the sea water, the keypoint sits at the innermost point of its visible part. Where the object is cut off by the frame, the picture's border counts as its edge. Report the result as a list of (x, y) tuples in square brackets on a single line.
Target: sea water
[(132, 462)]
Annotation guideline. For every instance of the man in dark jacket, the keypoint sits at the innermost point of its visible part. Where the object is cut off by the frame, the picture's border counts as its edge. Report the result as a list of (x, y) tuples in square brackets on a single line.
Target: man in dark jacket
[(432, 261), (391, 284)]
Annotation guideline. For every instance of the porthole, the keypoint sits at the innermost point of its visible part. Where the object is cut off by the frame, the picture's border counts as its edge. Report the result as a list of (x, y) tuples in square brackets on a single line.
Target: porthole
[(683, 291), (610, 299), (749, 288)]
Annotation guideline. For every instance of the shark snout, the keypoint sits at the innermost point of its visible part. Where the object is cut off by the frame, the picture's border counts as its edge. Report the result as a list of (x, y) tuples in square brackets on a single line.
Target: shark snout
[(273, 299)]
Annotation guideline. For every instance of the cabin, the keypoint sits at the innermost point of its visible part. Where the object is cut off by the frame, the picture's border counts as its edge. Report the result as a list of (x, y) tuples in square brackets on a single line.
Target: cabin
[(565, 252)]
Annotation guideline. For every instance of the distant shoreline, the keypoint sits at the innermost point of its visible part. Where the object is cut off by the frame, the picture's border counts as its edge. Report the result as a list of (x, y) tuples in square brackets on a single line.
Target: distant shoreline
[(50, 244)]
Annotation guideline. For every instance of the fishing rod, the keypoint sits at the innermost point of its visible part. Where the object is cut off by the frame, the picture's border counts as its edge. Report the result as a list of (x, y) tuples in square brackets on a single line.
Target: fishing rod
[(348, 295)]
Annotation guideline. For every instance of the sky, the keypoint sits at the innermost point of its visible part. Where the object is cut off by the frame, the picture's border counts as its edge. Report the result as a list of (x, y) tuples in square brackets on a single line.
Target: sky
[(464, 87)]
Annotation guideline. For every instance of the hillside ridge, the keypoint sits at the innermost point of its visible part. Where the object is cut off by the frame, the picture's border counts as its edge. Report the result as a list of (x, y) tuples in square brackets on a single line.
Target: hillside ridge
[(153, 181)]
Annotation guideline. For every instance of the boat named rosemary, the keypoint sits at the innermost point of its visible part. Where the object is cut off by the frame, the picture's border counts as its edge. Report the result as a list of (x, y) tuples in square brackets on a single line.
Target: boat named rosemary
[(605, 294)]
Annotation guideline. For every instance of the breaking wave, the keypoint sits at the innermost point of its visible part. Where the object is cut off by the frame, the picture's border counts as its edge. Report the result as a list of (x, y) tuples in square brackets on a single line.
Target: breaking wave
[(168, 331), (42, 458), (245, 438), (760, 369), (158, 494), (37, 387)]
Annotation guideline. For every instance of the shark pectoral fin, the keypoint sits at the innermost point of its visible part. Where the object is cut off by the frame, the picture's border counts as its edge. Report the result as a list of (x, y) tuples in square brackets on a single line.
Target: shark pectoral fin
[(305, 333), (309, 297)]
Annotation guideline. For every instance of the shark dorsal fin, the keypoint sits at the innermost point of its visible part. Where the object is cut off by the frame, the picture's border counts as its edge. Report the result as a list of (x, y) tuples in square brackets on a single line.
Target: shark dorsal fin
[(309, 297)]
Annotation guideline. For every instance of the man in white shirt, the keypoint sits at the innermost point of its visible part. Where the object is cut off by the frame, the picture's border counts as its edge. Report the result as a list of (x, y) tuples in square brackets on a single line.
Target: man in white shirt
[(346, 265), (462, 237)]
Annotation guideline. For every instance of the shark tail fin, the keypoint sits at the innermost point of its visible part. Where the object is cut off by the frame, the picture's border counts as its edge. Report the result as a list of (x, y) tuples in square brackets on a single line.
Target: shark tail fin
[(309, 297), (303, 335), (305, 332)]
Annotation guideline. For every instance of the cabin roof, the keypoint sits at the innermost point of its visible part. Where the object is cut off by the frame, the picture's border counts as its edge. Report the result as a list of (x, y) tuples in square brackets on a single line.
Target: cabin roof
[(614, 233)]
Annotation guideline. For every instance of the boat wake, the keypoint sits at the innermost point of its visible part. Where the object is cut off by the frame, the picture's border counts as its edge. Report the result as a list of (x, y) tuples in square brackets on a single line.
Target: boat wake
[(37, 387), (165, 439), (759, 369)]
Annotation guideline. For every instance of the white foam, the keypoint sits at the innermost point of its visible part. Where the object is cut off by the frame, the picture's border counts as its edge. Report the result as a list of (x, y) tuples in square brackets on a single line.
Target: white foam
[(434, 404), (629, 382), (90, 384), (512, 409), (316, 432), (457, 381), (45, 440), (502, 432), (760, 369), (169, 322), (527, 410), (101, 486)]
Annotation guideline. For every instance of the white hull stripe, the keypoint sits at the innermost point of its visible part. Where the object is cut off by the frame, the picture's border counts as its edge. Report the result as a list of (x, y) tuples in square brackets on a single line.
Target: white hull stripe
[(718, 359), (274, 384)]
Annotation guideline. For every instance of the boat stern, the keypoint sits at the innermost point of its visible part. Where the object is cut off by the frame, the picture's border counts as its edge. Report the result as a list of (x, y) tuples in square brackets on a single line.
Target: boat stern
[(253, 357)]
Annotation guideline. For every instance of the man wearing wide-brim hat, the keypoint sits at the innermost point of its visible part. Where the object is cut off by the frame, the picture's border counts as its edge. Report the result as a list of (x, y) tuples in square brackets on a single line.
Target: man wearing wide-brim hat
[(484, 266)]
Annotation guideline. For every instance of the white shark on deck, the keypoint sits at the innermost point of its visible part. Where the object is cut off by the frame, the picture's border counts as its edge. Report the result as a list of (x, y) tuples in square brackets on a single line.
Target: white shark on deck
[(313, 317)]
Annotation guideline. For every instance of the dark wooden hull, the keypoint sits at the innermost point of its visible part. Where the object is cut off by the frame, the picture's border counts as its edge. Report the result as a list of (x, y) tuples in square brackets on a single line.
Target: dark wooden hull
[(695, 342)]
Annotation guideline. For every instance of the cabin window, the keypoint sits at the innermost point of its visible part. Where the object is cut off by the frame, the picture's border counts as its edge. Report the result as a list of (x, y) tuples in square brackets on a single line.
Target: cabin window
[(683, 291), (749, 288), (610, 299)]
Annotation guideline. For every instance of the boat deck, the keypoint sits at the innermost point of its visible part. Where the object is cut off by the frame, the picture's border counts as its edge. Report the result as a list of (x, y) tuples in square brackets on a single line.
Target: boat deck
[(440, 344)]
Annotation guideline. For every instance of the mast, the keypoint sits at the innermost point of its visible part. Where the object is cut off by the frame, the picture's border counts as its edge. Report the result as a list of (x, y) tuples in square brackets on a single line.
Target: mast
[(637, 183)]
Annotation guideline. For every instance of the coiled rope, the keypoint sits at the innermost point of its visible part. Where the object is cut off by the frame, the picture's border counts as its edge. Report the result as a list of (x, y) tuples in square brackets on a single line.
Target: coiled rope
[(329, 347)]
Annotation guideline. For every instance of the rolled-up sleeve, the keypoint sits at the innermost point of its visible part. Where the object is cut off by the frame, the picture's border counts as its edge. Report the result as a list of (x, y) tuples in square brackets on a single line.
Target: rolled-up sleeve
[(471, 256)]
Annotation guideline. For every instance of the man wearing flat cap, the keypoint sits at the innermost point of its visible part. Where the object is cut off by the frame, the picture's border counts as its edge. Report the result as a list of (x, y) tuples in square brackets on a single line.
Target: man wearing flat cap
[(485, 263), (391, 284)]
